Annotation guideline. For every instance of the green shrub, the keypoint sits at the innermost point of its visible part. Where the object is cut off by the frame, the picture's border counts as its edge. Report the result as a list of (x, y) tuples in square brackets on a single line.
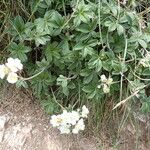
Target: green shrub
[(73, 42)]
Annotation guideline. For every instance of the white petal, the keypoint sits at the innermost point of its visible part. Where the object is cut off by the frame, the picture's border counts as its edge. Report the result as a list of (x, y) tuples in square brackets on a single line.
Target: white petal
[(98, 86), (85, 111), (14, 64), (64, 129), (75, 131), (106, 89), (109, 81), (3, 71), (12, 78), (56, 120), (103, 78), (18, 64)]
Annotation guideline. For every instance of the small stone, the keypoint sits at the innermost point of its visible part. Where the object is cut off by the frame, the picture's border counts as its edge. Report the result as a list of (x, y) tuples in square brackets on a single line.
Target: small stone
[(1, 135), (131, 129), (3, 120)]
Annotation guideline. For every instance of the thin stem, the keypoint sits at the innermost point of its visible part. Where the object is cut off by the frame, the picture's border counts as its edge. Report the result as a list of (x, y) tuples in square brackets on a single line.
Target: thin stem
[(99, 19), (139, 77), (73, 77), (56, 100), (124, 57), (25, 79), (71, 15), (64, 8), (34, 10), (132, 95)]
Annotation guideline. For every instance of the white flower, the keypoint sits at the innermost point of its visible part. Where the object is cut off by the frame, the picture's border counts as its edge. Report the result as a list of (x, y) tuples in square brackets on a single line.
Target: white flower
[(103, 78), (99, 86), (70, 121), (56, 120), (85, 111), (71, 117), (106, 89), (12, 77), (65, 117), (109, 81), (74, 117), (64, 129), (14, 64), (79, 126), (3, 71), (144, 63)]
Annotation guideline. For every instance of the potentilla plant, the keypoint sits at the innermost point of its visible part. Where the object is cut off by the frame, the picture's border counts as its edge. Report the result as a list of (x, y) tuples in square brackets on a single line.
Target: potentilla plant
[(70, 121), (105, 83), (80, 49)]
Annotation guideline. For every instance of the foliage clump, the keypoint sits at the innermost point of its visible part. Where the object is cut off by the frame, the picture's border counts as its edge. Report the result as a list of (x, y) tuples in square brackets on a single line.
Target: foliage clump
[(72, 43)]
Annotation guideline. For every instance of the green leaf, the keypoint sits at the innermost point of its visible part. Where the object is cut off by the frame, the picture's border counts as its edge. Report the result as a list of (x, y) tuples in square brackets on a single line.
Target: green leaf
[(18, 24), (107, 23), (84, 28), (146, 72), (19, 51), (107, 65), (57, 21), (42, 64), (63, 81), (41, 83), (52, 52), (50, 106), (142, 43), (88, 89), (120, 29), (145, 107), (95, 63), (21, 83), (114, 10), (88, 79), (112, 27), (91, 95)]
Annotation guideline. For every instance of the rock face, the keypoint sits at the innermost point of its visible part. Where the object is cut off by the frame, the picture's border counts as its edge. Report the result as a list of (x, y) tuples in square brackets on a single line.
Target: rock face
[(14, 136), (3, 121), (28, 133), (17, 135), (25, 126)]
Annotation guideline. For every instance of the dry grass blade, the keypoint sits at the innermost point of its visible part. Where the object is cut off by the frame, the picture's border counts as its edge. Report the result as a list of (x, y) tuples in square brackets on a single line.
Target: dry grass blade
[(125, 100)]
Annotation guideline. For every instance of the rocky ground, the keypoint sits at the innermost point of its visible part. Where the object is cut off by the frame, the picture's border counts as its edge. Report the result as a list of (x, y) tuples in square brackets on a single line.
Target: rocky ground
[(25, 126)]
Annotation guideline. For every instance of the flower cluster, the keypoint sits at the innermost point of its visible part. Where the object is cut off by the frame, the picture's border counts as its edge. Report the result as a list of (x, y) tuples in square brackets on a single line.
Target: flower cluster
[(70, 122), (105, 83), (10, 69), (145, 62)]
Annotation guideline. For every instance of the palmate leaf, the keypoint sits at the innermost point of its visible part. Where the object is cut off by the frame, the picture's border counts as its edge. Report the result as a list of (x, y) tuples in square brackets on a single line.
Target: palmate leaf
[(18, 25), (21, 83), (85, 49), (90, 90), (17, 29), (145, 108), (63, 82), (83, 14), (41, 83), (52, 52), (96, 63), (50, 105), (19, 50)]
